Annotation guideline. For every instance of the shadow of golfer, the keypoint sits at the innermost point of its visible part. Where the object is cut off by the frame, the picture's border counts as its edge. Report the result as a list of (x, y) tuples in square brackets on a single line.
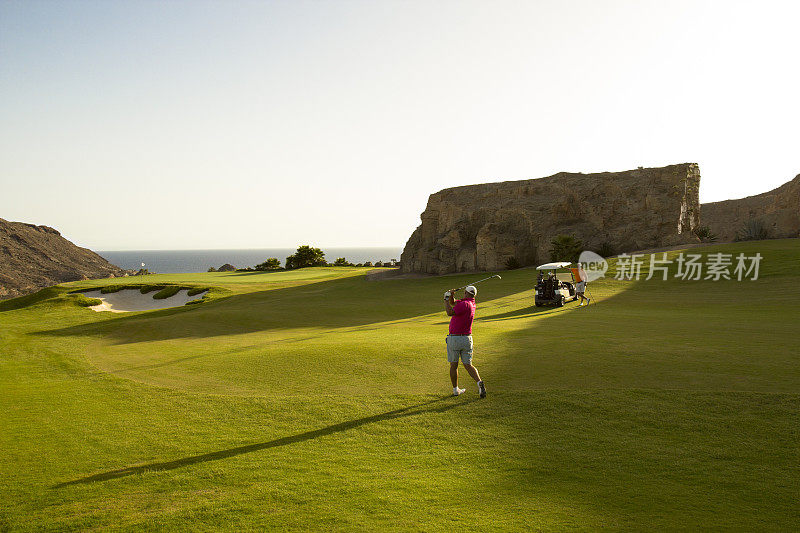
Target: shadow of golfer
[(412, 410)]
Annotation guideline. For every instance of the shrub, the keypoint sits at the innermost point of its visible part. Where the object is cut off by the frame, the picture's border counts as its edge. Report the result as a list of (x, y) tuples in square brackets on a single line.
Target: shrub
[(272, 263), (606, 250), (368, 264), (85, 301), (212, 269), (150, 288), (341, 262), (566, 248), (378, 264), (166, 292), (705, 234), (512, 263), (196, 290), (360, 265), (752, 230), (111, 288), (306, 256)]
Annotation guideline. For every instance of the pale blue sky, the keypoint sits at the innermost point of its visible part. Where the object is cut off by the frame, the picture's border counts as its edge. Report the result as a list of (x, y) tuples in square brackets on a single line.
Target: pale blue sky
[(230, 124)]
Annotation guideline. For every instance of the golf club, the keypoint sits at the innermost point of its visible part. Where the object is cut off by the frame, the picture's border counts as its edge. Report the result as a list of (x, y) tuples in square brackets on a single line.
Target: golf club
[(474, 282), (590, 295)]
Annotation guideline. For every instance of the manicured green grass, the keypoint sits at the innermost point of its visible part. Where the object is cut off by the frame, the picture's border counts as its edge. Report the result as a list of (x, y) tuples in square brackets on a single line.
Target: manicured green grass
[(315, 399)]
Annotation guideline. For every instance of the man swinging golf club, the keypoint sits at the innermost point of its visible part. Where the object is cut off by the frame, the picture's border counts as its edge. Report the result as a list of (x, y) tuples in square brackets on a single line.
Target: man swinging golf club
[(459, 341)]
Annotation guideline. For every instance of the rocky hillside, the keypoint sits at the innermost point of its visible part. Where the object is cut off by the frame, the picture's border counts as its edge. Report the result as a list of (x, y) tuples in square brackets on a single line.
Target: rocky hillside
[(480, 227), (33, 257), (778, 210)]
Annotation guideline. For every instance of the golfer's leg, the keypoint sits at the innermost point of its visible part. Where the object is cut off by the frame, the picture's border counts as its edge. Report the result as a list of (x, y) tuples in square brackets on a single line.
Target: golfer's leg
[(454, 374), (472, 371)]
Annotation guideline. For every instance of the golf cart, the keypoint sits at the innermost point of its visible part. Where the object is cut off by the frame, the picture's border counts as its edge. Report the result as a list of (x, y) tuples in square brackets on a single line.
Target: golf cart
[(552, 289)]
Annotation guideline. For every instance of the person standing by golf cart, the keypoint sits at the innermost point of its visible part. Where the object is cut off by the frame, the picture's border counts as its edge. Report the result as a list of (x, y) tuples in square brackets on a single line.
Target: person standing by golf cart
[(459, 340), (580, 287)]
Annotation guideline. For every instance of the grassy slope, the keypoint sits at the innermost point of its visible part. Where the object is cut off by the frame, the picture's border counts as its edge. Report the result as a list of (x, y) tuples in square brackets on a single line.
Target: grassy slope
[(317, 399)]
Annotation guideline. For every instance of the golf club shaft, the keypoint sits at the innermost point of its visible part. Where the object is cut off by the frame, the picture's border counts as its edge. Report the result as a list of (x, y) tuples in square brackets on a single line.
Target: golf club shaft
[(474, 282)]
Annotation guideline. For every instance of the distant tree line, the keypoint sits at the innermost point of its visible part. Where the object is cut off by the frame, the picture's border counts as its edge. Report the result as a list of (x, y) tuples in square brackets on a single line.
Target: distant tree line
[(306, 256)]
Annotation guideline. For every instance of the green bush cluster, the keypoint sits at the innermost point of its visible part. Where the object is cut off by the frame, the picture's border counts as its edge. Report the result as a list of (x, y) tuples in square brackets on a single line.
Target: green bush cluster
[(606, 249), (150, 288), (166, 292), (197, 290), (112, 288), (272, 263), (306, 256), (705, 234), (753, 230), (85, 301), (566, 248)]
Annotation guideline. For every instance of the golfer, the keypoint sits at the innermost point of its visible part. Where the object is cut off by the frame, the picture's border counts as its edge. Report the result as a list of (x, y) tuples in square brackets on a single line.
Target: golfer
[(580, 287), (459, 341)]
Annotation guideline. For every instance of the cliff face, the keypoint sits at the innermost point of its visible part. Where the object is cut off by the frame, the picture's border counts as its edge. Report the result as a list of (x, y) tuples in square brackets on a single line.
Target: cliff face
[(778, 210), (33, 257), (480, 227)]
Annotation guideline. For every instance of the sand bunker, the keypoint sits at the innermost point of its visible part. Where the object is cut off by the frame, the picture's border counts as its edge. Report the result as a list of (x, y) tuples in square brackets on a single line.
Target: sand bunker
[(133, 300)]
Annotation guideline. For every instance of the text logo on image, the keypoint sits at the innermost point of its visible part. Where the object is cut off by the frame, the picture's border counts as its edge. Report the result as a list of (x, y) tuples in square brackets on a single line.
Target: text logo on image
[(594, 265)]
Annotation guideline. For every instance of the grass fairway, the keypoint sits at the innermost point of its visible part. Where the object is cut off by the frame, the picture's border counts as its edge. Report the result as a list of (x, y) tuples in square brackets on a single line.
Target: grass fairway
[(316, 399)]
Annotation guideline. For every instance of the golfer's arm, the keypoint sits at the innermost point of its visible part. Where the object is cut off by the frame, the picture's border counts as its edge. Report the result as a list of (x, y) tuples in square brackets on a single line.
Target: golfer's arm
[(448, 307)]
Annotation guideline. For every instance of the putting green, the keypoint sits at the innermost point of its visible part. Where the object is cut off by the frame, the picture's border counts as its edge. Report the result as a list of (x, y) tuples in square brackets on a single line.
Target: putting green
[(316, 399)]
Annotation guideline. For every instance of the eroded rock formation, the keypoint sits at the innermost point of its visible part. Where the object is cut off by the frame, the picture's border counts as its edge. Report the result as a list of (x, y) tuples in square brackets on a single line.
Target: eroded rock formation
[(33, 257), (480, 227), (778, 210)]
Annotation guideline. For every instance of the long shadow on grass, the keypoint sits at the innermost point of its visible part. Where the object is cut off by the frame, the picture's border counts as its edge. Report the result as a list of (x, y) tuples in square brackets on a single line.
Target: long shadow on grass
[(413, 410), (338, 303)]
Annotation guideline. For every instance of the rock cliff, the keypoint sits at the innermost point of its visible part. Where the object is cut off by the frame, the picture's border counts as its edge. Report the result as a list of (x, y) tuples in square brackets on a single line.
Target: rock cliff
[(33, 257), (480, 227), (778, 210)]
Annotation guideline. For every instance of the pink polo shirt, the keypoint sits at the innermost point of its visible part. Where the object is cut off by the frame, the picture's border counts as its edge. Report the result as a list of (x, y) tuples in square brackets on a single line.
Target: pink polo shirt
[(463, 313)]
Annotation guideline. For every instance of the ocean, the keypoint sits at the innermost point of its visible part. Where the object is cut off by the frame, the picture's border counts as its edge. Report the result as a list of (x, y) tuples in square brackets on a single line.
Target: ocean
[(176, 261)]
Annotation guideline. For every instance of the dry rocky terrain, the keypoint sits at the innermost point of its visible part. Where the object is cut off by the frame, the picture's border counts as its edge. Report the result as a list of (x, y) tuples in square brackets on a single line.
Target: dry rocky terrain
[(33, 257), (481, 227)]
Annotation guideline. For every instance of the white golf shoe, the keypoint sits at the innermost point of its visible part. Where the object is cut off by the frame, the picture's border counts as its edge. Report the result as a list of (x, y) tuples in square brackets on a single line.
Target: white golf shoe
[(457, 391)]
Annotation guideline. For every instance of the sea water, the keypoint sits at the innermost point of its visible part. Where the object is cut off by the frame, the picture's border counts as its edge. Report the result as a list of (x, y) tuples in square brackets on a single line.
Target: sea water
[(175, 261)]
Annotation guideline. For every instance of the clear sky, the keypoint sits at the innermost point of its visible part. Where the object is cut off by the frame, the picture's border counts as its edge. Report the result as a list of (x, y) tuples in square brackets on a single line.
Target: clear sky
[(234, 124)]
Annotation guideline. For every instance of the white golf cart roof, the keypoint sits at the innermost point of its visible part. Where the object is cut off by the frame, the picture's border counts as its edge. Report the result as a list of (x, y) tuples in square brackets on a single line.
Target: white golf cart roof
[(553, 266)]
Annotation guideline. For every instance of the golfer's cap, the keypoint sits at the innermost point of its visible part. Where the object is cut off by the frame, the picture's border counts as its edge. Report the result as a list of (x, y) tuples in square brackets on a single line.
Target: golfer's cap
[(471, 289)]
